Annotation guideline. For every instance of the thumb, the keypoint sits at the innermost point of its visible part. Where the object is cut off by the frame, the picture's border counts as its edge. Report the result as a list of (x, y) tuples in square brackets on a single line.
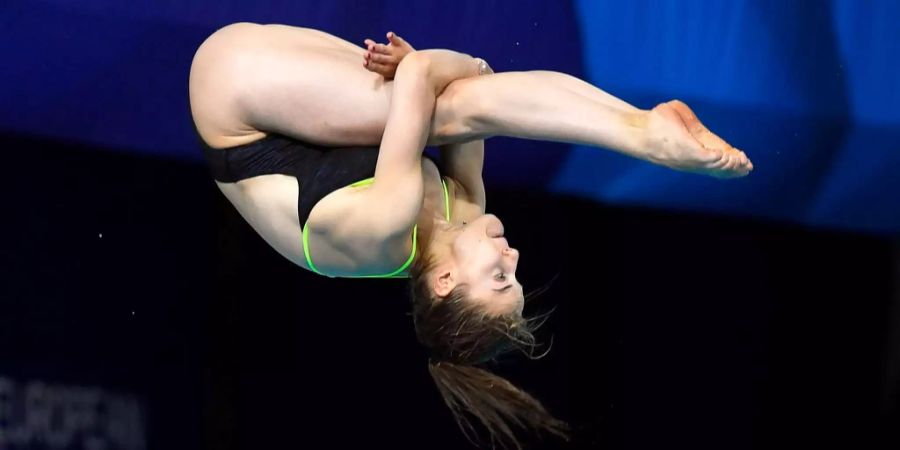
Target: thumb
[(396, 40)]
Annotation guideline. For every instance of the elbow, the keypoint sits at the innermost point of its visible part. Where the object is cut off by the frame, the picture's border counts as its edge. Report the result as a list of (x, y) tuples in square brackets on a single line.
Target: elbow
[(416, 64)]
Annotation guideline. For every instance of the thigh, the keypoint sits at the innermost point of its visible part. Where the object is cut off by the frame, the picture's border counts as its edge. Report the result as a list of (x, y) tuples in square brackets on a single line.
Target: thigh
[(248, 79)]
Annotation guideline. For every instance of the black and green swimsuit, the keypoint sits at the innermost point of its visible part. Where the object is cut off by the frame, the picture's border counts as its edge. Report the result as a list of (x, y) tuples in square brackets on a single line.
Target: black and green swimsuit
[(320, 169)]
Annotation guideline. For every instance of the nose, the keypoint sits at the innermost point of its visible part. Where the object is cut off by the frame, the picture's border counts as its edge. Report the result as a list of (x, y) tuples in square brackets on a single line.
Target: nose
[(511, 256)]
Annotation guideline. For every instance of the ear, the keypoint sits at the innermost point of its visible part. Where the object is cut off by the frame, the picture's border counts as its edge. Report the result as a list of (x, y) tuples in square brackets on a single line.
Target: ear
[(444, 282)]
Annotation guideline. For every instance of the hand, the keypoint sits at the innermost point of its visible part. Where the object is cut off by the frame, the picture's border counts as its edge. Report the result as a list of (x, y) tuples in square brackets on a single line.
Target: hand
[(384, 59)]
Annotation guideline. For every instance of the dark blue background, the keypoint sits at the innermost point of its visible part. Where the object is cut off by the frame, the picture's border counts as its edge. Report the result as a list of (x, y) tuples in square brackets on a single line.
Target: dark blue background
[(809, 89), (690, 312)]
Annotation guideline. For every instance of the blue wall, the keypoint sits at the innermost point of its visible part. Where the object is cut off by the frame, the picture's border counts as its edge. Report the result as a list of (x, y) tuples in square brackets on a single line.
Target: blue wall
[(809, 90)]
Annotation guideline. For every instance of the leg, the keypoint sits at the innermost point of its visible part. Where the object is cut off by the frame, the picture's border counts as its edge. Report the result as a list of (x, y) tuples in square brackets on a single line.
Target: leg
[(421, 77), (558, 107), (538, 105), (250, 78)]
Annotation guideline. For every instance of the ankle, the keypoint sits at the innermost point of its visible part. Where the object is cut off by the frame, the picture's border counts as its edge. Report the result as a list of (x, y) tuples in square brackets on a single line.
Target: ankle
[(639, 133)]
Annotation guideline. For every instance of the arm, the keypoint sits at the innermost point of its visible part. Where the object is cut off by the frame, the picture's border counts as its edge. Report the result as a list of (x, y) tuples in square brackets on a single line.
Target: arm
[(464, 163), (396, 194)]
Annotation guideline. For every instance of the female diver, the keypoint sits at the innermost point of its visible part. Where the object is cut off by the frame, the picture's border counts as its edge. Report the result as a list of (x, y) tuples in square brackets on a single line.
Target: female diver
[(290, 120)]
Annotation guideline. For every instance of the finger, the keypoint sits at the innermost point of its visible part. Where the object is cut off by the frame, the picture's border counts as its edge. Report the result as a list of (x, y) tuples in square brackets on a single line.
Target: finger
[(396, 40), (370, 66), (382, 59), (380, 68), (375, 47)]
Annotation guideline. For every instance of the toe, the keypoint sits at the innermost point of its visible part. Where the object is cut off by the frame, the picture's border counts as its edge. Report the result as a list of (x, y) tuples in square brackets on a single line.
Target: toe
[(730, 162), (711, 156)]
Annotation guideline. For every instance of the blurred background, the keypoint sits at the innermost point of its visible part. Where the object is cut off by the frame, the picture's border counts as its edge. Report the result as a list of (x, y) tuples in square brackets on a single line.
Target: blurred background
[(139, 311)]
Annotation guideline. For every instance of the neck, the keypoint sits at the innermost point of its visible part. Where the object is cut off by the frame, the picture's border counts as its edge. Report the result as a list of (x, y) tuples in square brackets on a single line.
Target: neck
[(435, 236)]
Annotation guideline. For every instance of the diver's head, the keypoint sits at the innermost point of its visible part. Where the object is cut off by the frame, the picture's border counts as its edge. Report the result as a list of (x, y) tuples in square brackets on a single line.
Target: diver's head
[(477, 258), (467, 310), (467, 303)]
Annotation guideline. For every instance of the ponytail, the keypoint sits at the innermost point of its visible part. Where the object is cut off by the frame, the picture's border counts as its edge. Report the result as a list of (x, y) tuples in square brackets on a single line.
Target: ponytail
[(495, 402)]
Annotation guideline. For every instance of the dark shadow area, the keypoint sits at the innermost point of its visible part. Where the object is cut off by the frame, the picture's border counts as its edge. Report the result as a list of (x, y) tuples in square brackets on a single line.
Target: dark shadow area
[(670, 331)]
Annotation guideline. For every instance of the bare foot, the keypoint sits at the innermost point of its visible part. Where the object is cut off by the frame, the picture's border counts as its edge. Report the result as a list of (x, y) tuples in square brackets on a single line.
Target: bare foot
[(678, 140), (384, 59)]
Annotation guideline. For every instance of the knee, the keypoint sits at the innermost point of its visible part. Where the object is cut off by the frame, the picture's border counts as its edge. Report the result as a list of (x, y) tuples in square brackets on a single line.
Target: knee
[(472, 106), (452, 114)]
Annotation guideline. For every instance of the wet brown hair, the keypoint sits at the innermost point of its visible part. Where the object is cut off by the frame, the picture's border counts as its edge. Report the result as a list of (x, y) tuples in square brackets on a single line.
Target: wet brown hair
[(460, 336)]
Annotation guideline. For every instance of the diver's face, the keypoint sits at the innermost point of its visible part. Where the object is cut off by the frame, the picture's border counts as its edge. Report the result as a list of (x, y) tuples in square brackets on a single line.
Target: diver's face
[(486, 263)]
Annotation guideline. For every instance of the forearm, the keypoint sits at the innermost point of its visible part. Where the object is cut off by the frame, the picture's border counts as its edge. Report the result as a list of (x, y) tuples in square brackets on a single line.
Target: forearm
[(419, 78)]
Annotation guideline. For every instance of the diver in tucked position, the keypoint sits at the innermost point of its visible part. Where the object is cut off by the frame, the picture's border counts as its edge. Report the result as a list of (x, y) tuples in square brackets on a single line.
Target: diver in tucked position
[(319, 145)]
